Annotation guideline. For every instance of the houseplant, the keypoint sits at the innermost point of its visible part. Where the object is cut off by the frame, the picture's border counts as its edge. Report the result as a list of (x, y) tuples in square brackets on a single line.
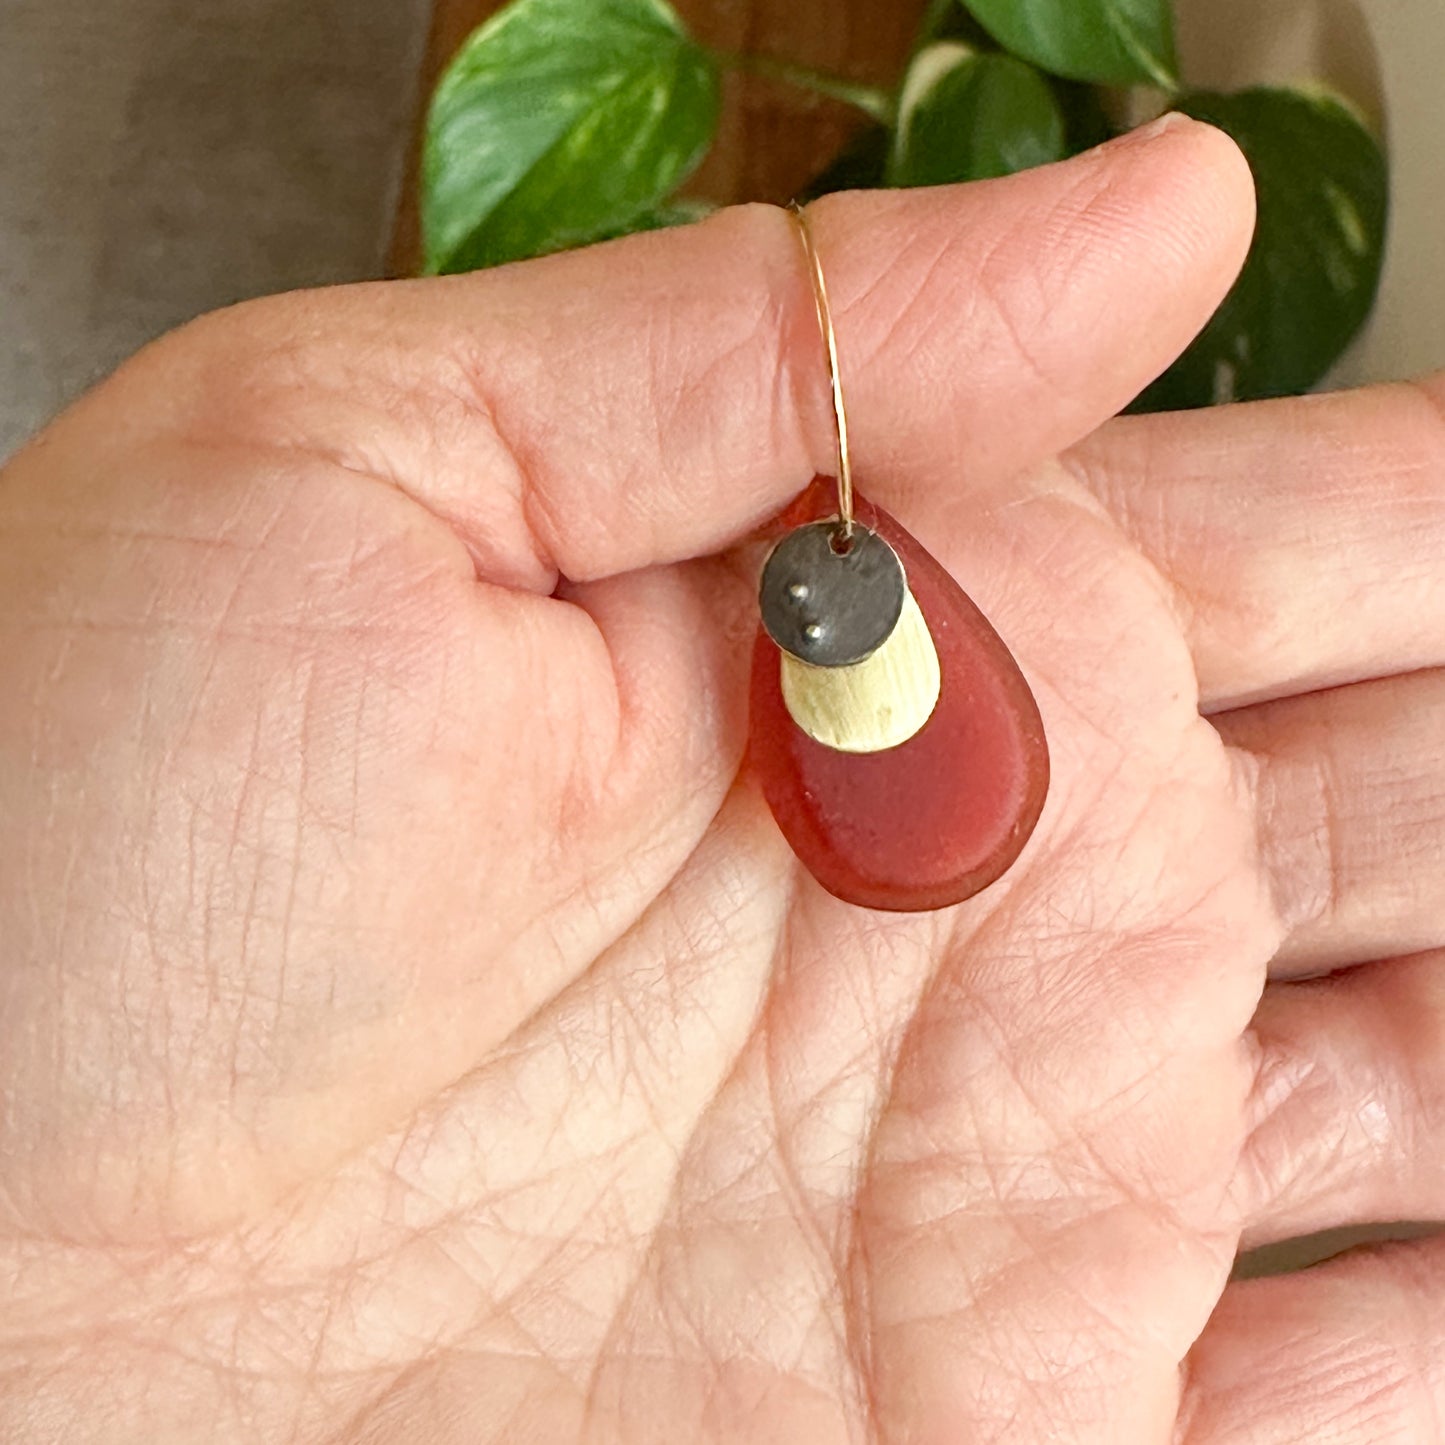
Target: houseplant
[(562, 122)]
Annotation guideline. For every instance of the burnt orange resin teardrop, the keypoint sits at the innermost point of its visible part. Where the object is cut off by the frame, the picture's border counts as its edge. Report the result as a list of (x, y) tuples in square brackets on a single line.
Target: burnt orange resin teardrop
[(938, 818)]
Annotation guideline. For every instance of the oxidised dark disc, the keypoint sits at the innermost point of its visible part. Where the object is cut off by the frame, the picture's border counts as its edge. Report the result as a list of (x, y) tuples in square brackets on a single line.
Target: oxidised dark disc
[(828, 606)]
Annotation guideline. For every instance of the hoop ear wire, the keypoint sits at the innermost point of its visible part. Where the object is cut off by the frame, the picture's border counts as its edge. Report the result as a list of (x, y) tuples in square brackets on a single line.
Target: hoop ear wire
[(830, 341)]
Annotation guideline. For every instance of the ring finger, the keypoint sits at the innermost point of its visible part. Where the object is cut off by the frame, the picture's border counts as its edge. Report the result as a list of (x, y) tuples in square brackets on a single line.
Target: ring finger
[(1348, 786), (1347, 1353)]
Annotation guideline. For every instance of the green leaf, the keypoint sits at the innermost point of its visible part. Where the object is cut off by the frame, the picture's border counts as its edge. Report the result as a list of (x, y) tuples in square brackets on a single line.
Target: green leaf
[(859, 166), (1086, 121), (966, 117), (559, 122), (1114, 42), (1311, 278), (676, 212), (948, 20)]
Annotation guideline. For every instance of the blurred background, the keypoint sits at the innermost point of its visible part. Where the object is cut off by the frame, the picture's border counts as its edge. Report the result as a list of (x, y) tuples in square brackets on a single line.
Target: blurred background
[(159, 158)]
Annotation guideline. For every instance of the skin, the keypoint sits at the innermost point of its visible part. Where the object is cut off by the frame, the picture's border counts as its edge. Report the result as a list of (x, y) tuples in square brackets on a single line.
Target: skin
[(415, 1028)]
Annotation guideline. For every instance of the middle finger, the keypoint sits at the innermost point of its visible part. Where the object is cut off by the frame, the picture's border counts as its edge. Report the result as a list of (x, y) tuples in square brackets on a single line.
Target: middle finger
[(1349, 795), (1304, 540)]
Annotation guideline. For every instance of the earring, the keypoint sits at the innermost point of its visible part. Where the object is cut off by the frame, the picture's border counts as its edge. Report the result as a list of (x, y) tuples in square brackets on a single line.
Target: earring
[(895, 739)]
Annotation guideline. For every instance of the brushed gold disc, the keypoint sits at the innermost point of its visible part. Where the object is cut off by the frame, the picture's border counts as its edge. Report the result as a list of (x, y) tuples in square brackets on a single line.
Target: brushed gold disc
[(874, 704)]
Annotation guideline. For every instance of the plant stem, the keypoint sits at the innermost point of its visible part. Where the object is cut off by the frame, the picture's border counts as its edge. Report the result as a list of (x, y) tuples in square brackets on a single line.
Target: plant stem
[(868, 98)]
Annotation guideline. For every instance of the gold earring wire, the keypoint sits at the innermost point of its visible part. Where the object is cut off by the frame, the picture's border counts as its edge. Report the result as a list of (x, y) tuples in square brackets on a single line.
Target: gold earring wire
[(840, 415)]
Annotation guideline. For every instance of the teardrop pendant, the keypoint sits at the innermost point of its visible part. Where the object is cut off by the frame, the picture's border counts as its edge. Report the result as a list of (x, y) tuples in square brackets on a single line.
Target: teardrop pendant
[(907, 825), (894, 736)]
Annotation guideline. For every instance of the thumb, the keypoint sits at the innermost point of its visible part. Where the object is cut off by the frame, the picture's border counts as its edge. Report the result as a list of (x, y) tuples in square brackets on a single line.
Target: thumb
[(655, 398)]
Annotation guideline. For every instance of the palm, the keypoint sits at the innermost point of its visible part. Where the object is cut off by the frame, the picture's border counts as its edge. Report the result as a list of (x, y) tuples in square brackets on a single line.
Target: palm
[(478, 1063), (757, 1154), (848, 1160), (907, 1145)]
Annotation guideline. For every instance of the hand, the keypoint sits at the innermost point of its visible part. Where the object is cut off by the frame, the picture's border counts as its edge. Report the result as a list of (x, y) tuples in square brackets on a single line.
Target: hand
[(415, 1029)]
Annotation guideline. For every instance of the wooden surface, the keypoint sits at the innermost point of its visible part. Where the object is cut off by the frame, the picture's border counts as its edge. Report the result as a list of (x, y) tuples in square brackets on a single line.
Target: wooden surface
[(773, 137)]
